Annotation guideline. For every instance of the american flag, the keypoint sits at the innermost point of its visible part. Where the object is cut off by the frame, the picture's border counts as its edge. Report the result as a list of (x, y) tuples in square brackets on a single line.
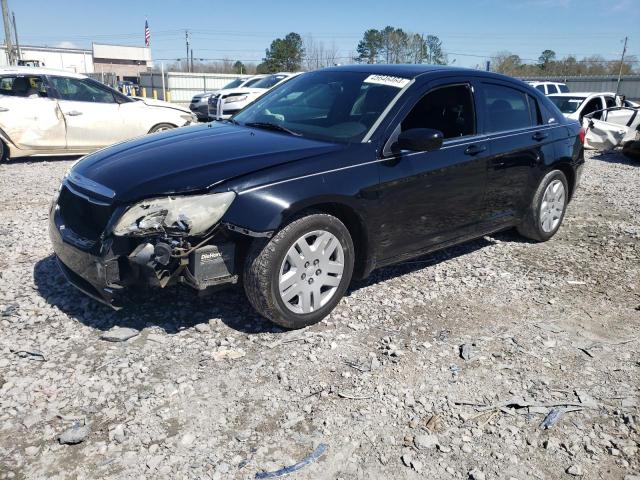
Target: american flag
[(147, 34)]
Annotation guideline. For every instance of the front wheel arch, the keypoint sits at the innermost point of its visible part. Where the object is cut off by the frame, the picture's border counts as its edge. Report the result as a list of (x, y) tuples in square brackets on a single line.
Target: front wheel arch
[(160, 127)]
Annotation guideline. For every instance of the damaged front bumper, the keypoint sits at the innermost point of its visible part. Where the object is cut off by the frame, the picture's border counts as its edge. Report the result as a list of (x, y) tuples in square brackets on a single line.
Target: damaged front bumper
[(109, 268)]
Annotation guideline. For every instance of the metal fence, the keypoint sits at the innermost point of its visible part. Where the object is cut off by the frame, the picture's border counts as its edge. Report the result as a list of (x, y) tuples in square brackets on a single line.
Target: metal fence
[(629, 84), (182, 86), (110, 79)]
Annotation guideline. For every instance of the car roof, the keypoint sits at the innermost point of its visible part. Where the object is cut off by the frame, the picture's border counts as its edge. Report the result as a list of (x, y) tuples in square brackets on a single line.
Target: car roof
[(39, 71), (543, 82), (580, 94), (404, 70)]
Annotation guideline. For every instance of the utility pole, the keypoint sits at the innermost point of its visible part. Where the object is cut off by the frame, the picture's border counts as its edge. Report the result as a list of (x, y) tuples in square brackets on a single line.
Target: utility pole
[(191, 69), (186, 39), (624, 50), (15, 32), (7, 32)]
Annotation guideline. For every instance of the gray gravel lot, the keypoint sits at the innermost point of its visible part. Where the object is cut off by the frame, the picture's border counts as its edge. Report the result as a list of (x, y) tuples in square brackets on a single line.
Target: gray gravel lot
[(206, 389)]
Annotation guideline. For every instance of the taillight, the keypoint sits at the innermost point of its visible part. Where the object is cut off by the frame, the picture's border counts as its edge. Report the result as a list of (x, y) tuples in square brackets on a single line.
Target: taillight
[(583, 133)]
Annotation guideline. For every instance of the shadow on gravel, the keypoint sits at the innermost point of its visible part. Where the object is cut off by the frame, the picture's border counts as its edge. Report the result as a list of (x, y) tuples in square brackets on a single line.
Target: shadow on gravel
[(173, 310), (435, 258), (615, 157), (178, 308), (45, 159)]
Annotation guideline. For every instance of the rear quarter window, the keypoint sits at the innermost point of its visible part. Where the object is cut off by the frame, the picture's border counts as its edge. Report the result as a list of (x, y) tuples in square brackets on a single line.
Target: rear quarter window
[(506, 108), (563, 88)]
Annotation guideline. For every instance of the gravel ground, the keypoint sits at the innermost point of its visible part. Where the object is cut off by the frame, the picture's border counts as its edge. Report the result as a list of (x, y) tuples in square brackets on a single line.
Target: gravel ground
[(206, 389)]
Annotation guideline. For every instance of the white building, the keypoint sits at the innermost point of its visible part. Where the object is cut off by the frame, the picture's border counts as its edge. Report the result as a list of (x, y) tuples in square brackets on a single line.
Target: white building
[(125, 62), (76, 60)]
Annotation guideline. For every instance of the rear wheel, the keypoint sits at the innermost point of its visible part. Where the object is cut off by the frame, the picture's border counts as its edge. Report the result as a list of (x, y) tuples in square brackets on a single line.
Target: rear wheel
[(547, 209), (162, 127), (300, 275), (4, 152)]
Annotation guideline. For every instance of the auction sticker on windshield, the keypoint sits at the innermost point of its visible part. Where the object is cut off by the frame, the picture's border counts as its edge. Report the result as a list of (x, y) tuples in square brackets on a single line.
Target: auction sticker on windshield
[(388, 80)]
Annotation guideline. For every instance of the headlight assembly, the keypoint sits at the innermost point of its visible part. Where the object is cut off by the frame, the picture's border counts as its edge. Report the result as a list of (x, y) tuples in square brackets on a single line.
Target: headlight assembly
[(237, 98), (193, 214)]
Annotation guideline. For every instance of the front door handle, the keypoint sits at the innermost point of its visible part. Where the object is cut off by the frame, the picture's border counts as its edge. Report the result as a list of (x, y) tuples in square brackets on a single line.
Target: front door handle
[(539, 136), (475, 149), (3, 109), (74, 113)]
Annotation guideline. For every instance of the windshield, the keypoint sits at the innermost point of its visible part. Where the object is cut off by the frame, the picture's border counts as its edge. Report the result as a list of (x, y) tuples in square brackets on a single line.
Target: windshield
[(234, 84), (252, 81), (268, 82), (566, 104), (334, 106)]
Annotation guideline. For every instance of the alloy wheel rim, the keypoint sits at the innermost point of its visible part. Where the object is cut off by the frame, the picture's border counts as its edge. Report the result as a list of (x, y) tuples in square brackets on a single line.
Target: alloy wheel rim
[(311, 272), (552, 207)]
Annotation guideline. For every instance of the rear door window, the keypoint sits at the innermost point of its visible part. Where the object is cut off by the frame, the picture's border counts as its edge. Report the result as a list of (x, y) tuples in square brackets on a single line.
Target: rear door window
[(448, 109), (506, 108), (534, 111), (551, 89), (22, 86), (563, 88), (541, 88)]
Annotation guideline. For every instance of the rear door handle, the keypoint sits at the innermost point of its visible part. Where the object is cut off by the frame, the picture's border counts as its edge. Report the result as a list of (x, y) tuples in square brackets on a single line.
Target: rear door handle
[(74, 113), (539, 136), (3, 109), (475, 149)]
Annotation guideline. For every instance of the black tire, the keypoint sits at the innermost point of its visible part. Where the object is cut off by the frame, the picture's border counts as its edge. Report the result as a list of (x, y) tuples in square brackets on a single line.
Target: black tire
[(4, 152), (531, 226), (632, 150), (162, 127), (265, 258)]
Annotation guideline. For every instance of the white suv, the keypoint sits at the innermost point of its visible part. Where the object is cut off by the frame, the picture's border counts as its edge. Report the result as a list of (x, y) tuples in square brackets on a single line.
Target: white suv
[(549, 88), (228, 102)]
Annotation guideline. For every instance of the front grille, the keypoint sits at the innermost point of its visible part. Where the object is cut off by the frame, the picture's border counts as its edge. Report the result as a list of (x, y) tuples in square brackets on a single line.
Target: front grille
[(84, 217)]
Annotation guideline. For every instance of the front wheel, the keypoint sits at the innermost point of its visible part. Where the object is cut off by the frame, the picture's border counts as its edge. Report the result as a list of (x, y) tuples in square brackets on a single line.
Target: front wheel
[(300, 275), (548, 206), (162, 127)]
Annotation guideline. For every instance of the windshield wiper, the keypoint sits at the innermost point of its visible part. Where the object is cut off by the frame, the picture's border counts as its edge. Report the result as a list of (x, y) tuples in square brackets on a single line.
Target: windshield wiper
[(272, 126)]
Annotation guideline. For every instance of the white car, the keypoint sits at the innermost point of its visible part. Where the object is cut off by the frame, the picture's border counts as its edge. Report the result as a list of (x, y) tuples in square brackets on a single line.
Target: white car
[(577, 105), (549, 88), (200, 103), (228, 102), (50, 112)]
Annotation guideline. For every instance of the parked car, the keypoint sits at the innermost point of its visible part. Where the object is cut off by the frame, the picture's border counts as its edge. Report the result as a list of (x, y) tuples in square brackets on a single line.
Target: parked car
[(230, 101), (329, 176), (615, 127), (200, 103), (128, 88), (549, 88), (577, 105), (51, 112)]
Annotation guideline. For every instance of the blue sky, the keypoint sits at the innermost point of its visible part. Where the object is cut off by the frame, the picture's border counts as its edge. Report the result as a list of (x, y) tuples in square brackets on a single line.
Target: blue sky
[(471, 31)]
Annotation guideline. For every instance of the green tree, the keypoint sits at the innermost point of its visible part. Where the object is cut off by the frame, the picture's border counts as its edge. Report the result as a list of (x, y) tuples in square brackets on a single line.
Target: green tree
[(546, 58), (239, 67), (434, 55), (284, 54), (369, 47)]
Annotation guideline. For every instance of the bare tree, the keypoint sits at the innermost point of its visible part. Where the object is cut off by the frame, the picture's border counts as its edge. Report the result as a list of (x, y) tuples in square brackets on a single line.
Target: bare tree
[(318, 55)]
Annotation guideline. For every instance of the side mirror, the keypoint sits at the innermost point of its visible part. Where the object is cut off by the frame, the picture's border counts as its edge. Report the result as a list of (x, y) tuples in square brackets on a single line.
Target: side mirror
[(420, 140)]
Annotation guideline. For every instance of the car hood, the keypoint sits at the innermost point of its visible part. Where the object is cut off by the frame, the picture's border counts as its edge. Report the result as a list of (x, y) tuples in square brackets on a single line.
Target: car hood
[(191, 159), (159, 103), (237, 91)]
